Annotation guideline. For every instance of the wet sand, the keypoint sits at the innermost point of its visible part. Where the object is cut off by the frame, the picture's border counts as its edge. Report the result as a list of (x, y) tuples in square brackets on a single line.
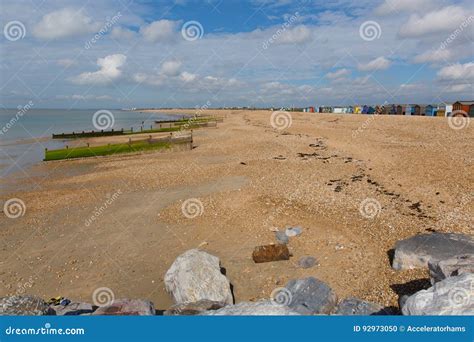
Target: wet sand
[(250, 178)]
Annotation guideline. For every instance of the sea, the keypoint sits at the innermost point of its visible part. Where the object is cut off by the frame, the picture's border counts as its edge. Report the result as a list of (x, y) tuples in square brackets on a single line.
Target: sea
[(26, 132)]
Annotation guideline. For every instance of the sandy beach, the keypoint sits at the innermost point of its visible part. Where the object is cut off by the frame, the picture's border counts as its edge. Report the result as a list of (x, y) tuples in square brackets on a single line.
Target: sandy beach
[(250, 179)]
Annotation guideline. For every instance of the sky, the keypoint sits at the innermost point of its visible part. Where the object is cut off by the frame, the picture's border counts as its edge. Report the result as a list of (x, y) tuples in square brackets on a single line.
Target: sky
[(214, 53)]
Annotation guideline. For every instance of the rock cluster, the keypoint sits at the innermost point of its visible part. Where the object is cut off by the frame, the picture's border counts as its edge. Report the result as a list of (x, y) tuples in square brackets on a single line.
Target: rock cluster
[(450, 260)]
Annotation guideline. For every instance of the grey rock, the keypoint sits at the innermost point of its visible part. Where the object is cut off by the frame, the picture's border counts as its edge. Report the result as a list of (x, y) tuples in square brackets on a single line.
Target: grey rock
[(281, 237), (451, 296), (311, 296), (189, 309), (354, 306), (417, 251), (127, 307), (260, 308), (23, 306), (451, 267), (293, 231), (307, 262), (196, 275), (72, 309)]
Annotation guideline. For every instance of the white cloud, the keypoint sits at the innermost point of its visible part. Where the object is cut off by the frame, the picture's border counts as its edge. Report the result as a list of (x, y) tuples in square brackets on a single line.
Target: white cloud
[(338, 74), (159, 31), (297, 35), (84, 97), (66, 22), (380, 63), (109, 70), (396, 6), (171, 68), (187, 77), (434, 56), (444, 20), (122, 33), (461, 72)]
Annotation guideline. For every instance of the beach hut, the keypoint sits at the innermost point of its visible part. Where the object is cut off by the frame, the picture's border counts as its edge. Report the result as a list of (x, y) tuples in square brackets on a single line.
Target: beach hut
[(357, 110), (371, 110), (408, 109), (464, 106), (429, 110), (415, 109), (400, 110), (393, 110), (337, 110), (350, 109), (365, 109)]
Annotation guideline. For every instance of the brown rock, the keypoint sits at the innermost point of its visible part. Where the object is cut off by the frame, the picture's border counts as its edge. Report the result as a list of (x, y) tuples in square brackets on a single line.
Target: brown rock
[(270, 253)]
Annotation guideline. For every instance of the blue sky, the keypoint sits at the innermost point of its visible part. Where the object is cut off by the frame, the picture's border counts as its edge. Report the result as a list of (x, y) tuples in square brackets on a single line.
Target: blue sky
[(116, 54)]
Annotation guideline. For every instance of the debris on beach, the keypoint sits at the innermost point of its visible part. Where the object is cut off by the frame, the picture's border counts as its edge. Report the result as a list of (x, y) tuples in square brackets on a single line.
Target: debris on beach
[(281, 237), (294, 231), (269, 253), (307, 262)]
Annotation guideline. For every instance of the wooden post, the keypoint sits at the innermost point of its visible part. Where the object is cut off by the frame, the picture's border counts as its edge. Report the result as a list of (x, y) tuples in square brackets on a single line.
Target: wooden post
[(88, 145), (131, 129), (67, 147)]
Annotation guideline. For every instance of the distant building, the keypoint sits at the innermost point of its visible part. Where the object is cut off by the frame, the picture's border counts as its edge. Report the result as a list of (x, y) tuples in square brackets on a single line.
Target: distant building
[(464, 106)]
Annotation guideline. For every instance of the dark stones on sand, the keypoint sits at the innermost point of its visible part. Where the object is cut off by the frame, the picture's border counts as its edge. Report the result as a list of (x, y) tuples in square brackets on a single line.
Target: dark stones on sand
[(269, 253), (418, 250), (127, 307), (307, 262), (355, 307), (23, 306), (311, 296), (196, 308)]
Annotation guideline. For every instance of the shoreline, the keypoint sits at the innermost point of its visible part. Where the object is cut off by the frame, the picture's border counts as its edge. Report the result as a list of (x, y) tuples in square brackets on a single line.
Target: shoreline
[(314, 174)]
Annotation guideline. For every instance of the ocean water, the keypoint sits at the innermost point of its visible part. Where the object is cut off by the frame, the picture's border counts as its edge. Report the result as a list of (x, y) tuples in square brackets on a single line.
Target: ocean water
[(25, 133)]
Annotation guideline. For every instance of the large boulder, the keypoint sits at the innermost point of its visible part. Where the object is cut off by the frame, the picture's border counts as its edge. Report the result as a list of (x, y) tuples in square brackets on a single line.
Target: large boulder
[(260, 308), (127, 307), (451, 267), (418, 250), (451, 296), (196, 275), (190, 309), (310, 296), (23, 306), (354, 306)]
